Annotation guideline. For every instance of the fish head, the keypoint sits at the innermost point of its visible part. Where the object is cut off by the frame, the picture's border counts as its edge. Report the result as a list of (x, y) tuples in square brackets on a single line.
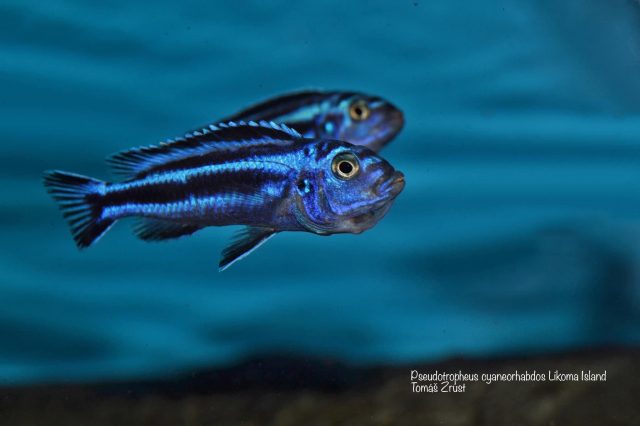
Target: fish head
[(348, 190), (362, 120)]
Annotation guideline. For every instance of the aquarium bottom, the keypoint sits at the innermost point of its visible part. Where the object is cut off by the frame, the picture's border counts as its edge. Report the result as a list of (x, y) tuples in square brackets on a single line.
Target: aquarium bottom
[(292, 391)]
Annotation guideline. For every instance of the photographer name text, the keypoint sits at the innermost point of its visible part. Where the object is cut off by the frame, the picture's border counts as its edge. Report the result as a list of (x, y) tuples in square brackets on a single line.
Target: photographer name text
[(444, 382)]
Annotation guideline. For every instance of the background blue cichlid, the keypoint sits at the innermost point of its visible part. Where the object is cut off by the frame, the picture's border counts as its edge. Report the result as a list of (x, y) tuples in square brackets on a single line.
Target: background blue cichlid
[(262, 175), (357, 118)]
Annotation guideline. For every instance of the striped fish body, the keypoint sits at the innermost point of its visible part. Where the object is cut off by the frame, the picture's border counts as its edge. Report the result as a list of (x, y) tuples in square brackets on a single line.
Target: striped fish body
[(261, 175), (249, 185)]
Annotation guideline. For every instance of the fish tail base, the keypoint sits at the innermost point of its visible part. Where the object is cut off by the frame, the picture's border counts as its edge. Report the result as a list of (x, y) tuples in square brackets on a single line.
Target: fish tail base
[(80, 200)]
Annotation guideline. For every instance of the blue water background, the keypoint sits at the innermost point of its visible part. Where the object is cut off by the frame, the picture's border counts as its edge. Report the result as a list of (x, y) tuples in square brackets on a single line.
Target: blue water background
[(518, 231)]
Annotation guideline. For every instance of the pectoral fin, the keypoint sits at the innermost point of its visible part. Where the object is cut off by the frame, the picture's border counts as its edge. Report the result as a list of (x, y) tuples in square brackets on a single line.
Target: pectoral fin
[(246, 241)]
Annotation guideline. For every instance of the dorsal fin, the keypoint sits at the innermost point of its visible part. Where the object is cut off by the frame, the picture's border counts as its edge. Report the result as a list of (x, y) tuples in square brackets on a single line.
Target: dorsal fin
[(223, 136), (263, 124)]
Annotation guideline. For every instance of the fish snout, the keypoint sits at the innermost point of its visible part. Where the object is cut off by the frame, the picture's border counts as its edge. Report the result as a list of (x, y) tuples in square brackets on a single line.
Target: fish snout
[(392, 186), (397, 183), (397, 119)]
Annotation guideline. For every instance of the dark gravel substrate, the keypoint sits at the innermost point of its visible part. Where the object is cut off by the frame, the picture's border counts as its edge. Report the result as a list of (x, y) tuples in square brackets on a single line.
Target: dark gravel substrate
[(288, 391)]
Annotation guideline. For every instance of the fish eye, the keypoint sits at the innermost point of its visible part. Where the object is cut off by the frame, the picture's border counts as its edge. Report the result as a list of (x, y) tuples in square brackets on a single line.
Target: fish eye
[(345, 166), (359, 110)]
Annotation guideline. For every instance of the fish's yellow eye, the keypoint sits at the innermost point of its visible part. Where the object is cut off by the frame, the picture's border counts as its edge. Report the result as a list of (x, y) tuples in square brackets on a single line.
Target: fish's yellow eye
[(359, 110), (345, 166)]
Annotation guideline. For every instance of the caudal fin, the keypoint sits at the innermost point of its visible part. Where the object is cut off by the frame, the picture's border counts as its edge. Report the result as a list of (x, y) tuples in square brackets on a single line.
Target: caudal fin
[(79, 199)]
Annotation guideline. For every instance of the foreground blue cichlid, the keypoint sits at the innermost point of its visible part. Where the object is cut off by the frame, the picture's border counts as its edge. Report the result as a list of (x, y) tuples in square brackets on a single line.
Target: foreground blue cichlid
[(262, 175), (347, 116)]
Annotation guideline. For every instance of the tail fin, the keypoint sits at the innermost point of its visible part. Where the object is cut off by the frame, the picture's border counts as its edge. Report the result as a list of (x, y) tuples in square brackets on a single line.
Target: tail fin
[(79, 199)]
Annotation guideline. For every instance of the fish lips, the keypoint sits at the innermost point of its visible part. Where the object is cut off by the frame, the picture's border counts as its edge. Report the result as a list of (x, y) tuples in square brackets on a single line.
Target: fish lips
[(390, 188), (390, 126), (396, 118)]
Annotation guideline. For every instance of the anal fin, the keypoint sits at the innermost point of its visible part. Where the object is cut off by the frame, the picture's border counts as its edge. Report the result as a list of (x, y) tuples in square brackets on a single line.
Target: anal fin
[(160, 230), (245, 241)]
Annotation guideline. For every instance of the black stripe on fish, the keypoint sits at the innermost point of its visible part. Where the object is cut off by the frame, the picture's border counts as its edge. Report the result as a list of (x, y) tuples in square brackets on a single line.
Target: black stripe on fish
[(308, 128), (222, 137), (174, 187), (282, 105), (268, 154)]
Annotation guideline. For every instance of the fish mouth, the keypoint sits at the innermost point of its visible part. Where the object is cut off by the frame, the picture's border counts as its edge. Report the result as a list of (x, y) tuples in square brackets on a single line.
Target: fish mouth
[(388, 128), (390, 188), (396, 117), (395, 121)]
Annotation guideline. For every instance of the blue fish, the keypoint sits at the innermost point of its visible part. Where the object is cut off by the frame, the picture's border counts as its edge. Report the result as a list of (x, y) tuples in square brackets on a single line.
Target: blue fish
[(262, 175), (357, 118)]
